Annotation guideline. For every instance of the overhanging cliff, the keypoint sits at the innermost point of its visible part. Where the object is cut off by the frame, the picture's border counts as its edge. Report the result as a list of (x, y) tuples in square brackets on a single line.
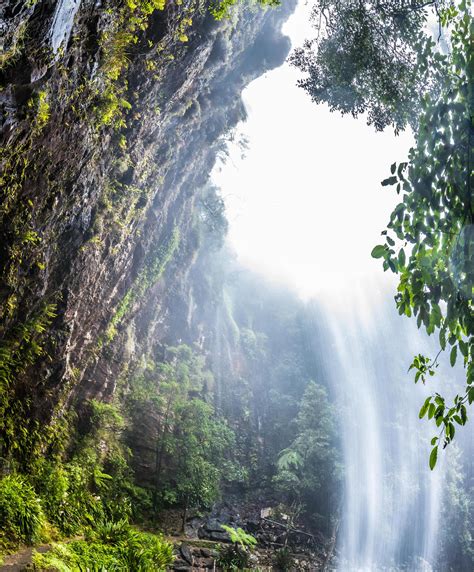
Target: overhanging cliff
[(111, 119)]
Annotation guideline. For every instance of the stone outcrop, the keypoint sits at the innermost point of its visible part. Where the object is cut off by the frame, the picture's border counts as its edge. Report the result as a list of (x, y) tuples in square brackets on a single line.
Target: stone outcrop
[(106, 143)]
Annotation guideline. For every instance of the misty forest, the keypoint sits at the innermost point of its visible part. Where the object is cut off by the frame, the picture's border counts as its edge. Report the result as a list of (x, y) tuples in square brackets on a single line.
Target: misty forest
[(237, 285)]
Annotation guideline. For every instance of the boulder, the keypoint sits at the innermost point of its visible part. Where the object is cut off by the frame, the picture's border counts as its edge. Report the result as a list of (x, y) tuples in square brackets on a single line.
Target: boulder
[(180, 565), (213, 525), (186, 553), (218, 536)]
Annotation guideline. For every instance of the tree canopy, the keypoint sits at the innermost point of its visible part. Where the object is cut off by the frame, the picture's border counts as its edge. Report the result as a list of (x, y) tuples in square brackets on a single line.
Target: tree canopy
[(429, 241), (309, 471), (371, 58)]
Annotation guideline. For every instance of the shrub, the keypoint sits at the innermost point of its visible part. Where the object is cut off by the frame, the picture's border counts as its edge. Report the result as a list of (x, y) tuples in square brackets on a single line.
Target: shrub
[(78, 555), (283, 559), (237, 556), (234, 557), (240, 537), (51, 483), (111, 532), (111, 546), (143, 552), (66, 495), (21, 516)]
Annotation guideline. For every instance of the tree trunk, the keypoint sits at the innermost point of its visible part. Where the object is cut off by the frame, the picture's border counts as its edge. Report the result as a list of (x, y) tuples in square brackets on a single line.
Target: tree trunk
[(185, 513), (159, 452)]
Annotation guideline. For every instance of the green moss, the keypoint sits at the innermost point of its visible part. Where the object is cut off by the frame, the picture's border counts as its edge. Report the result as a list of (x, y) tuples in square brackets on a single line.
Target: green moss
[(43, 110), (116, 43), (109, 110)]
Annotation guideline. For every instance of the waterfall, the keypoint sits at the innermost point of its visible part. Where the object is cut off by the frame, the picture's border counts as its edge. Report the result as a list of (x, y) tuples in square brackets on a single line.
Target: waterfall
[(306, 208), (391, 501), (63, 22)]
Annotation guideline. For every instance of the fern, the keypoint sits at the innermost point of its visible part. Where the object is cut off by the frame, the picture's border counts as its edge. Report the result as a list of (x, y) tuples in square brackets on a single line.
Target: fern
[(240, 537), (289, 459), (24, 347)]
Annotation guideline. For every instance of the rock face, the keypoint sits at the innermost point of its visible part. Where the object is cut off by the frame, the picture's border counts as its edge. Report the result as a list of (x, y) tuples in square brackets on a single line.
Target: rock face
[(111, 119)]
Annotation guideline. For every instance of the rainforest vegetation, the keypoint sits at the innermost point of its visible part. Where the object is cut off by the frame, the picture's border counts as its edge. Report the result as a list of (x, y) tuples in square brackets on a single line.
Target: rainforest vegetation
[(150, 386)]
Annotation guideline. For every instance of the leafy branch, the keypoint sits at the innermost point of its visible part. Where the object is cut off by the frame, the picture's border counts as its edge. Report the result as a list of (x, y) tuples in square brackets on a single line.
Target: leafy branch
[(429, 240)]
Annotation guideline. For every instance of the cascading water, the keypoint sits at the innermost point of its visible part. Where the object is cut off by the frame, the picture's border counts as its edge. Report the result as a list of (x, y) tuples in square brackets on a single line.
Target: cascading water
[(303, 183), (391, 507)]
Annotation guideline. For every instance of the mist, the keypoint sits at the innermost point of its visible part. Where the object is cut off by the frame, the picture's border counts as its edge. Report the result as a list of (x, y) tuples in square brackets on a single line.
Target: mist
[(305, 208)]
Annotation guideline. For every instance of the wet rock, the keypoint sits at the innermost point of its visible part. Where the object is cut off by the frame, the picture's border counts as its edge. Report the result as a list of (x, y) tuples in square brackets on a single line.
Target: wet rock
[(208, 553), (63, 22), (252, 526), (214, 525), (181, 565), (186, 553), (219, 536)]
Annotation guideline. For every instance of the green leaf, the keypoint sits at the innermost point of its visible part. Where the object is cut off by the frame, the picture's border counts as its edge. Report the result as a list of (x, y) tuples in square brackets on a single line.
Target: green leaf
[(424, 407), (389, 181), (453, 355), (401, 258), (378, 251), (452, 431), (431, 410), (470, 395), (433, 457)]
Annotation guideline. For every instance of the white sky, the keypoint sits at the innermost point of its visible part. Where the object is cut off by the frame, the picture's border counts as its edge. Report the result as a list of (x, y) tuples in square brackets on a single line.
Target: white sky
[(305, 205)]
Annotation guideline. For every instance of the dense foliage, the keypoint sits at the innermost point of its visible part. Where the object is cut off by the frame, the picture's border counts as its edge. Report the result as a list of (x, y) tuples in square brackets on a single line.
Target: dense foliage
[(21, 516), (188, 448), (430, 238), (263, 363), (174, 435), (90, 492), (371, 58), (76, 276), (110, 546), (309, 470)]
